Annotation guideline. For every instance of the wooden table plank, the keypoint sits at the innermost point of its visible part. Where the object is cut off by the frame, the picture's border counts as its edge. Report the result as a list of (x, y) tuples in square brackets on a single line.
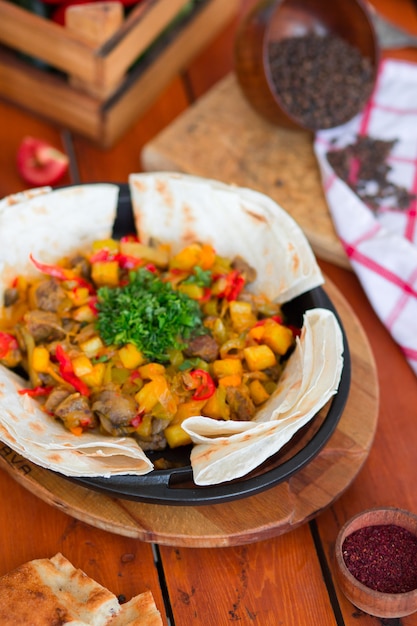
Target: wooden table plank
[(388, 476), (249, 584), (37, 530)]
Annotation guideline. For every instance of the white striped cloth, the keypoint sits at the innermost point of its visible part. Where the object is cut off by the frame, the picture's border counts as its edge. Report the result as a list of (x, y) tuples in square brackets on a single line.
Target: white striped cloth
[(382, 246)]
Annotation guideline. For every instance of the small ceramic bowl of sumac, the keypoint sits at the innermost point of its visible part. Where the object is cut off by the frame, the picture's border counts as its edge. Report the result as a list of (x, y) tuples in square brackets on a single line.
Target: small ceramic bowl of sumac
[(376, 562), (307, 65)]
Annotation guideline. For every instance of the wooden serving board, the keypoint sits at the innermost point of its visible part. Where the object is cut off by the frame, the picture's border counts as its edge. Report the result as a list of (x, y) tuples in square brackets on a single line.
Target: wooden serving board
[(222, 137), (270, 513)]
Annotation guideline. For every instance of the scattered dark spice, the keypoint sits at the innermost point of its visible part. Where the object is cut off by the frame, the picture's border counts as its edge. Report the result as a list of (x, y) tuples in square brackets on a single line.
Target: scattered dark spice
[(383, 557), (363, 166), (323, 81)]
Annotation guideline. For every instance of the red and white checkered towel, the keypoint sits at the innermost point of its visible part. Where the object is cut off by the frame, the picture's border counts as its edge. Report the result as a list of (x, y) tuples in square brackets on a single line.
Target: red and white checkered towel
[(382, 246)]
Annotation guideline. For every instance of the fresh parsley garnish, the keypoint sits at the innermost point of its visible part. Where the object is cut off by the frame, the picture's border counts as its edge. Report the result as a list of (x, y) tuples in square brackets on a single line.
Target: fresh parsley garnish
[(201, 277), (148, 313)]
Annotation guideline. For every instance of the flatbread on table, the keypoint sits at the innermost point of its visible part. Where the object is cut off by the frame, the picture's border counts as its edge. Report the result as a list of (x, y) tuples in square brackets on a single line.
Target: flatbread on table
[(47, 592), (177, 209)]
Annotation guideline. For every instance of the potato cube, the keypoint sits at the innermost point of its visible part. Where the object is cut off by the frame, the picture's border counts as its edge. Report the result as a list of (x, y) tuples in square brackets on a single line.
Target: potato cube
[(241, 315), (176, 436), (40, 359), (227, 367), (278, 337), (105, 273), (259, 357), (92, 346), (95, 378), (131, 356), (258, 392)]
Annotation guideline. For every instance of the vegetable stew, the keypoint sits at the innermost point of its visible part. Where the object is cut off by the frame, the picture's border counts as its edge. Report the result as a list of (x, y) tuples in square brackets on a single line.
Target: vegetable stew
[(132, 339)]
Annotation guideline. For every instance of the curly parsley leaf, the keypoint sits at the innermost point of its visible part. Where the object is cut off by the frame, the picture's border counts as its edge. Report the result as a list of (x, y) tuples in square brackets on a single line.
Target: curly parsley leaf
[(201, 277), (148, 313)]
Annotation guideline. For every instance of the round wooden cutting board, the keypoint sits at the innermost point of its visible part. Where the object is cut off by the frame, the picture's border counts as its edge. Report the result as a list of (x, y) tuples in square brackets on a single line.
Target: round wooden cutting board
[(270, 513)]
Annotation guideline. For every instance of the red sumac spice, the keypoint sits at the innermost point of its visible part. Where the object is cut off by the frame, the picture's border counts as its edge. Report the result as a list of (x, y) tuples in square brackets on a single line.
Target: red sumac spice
[(382, 557)]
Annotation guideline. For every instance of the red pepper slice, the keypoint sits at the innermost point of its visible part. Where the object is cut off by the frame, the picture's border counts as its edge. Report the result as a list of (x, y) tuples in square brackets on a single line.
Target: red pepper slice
[(234, 285), (128, 262), (295, 330), (52, 270), (56, 271), (206, 295), (137, 420), (7, 343), (103, 255), (92, 303), (206, 386), (277, 318), (35, 392), (132, 238), (66, 371)]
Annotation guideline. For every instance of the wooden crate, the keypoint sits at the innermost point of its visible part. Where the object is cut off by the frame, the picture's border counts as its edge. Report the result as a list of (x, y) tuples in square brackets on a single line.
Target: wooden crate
[(99, 90)]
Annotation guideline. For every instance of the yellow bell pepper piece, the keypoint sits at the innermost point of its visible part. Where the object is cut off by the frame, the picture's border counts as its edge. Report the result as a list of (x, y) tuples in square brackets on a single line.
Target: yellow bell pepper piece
[(40, 359), (188, 409), (79, 296), (77, 430), (207, 256), (159, 255), (257, 332), (81, 365), (95, 378), (150, 370), (145, 427), (105, 273), (241, 315), (227, 367), (176, 436), (131, 356), (259, 357), (258, 392), (216, 406), (151, 393), (233, 380), (187, 258), (112, 245), (192, 291), (278, 337)]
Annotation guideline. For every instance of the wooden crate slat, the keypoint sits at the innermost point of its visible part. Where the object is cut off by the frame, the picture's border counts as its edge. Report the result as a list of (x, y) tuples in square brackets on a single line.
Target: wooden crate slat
[(54, 98), (137, 38), (43, 39), (64, 50), (49, 96), (190, 40)]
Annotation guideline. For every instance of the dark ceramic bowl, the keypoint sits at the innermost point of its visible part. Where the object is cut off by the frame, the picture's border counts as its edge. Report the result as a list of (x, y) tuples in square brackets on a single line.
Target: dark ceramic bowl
[(376, 603), (272, 21)]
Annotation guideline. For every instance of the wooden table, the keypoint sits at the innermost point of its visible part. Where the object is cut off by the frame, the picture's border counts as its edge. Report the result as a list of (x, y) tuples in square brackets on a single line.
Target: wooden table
[(286, 579)]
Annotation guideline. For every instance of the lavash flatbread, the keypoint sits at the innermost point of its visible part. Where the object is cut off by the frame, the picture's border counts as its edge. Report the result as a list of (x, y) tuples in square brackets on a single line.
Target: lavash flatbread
[(178, 209), (181, 209), (46, 592), (51, 224)]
